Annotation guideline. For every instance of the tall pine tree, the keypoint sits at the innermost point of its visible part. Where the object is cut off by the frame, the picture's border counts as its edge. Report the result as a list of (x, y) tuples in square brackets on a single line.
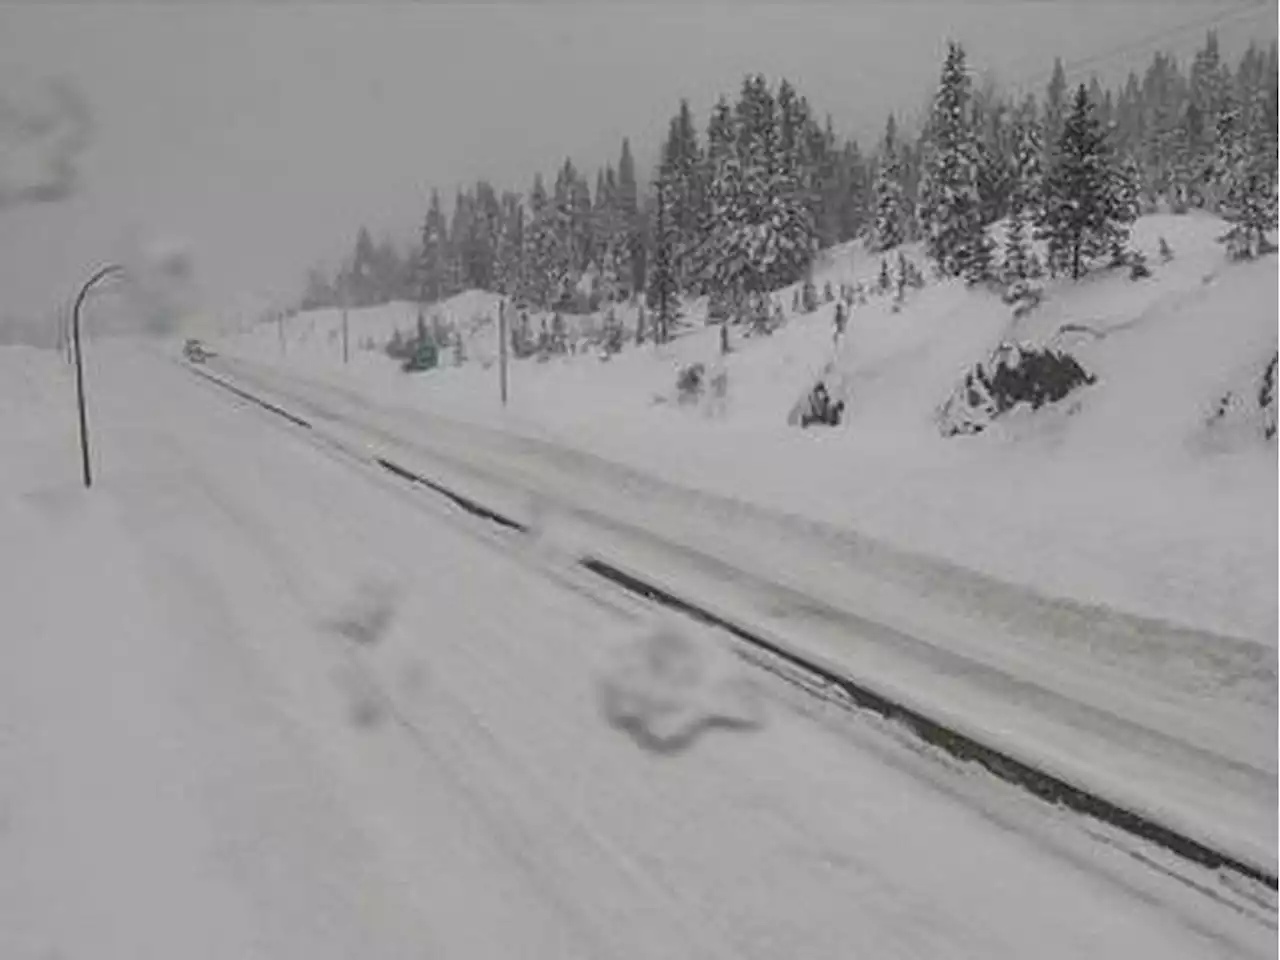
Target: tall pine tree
[(890, 203), (1246, 172), (951, 207), (662, 290), (433, 253), (540, 247), (629, 224), (716, 179), (1025, 197), (1055, 108), (1082, 217), (764, 232), (682, 170)]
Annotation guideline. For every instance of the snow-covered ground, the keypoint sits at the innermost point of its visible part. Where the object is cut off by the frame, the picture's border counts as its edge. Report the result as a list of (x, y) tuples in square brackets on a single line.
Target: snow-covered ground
[(1173, 723), (1130, 501), (1124, 498), (197, 761)]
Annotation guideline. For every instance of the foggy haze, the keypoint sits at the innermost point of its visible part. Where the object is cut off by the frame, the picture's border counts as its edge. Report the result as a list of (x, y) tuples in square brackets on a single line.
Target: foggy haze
[(264, 136)]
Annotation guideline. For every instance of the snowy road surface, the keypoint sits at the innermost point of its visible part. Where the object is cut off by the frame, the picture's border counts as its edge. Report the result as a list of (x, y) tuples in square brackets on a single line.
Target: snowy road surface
[(194, 763), (1175, 723)]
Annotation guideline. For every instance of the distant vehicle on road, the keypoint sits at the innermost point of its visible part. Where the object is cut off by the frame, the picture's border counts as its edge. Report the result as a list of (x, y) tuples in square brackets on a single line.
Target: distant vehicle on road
[(195, 351)]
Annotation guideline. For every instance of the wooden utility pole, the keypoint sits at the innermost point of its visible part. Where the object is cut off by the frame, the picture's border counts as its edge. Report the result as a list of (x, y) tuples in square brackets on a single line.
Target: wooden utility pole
[(502, 349)]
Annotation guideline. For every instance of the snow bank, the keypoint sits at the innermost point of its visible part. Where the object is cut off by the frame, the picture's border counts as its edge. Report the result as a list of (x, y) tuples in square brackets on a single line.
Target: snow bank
[(1125, 497)]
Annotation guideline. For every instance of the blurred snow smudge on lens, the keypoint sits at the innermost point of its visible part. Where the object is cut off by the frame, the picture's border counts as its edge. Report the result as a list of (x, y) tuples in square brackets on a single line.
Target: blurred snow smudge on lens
[(363, 620), (365, 703), (367, 616), (43, 134), (672, 681), (553, 535), (161, 290)]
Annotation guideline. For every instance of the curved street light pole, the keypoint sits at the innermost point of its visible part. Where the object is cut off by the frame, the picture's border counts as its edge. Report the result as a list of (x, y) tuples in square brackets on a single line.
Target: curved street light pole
[(107, 271)]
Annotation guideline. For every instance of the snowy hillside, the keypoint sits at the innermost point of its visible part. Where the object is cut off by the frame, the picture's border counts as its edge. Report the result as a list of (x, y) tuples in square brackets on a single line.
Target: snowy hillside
[(1124, 493)]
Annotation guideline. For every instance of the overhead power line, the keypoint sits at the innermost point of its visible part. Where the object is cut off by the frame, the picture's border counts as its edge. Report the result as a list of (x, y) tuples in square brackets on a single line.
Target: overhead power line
[(1235, 12)]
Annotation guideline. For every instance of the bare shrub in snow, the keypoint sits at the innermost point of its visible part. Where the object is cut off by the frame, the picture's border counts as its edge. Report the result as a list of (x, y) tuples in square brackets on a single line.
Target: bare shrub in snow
[(611, 340), (910, 272), (1014, 374), (884, 281), (1267, 398), (1024, 297), (1035, 266), (1236, 408), (1138, 268), (808, 297), (762, 321), (718, 394), (816, 408), (690, 380)]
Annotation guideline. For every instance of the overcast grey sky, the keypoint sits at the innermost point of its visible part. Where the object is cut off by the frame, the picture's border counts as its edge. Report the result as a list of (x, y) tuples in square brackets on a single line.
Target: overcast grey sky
[(263, 135)]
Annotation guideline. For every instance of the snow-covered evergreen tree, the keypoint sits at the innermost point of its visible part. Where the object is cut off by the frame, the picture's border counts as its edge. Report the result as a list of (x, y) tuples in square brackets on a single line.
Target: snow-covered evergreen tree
[(540, 248), (890, 203), (360, 284), (1082, 216), (682, 174), (599, 220), (559, 342), (431, 263), (508, 264), (827, 183), (1055, 109), (663, 282), (1246, 171), (1017, 249), (1126, 205), (564, 255), (853, 192), (455, 278), (581, 240), (1025, 197), (764, 232), (612, 239), (1210, 93), (630, 228), (720, 150), (994, 128), (950, 211)]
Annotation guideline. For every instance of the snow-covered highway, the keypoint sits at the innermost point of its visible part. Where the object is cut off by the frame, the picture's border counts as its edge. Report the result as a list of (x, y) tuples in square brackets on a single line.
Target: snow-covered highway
[(1169, 722), (196, 760)]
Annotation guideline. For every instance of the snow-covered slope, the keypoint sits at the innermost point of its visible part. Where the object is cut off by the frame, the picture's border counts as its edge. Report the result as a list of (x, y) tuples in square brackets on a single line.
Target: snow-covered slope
[(1123, 495)]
